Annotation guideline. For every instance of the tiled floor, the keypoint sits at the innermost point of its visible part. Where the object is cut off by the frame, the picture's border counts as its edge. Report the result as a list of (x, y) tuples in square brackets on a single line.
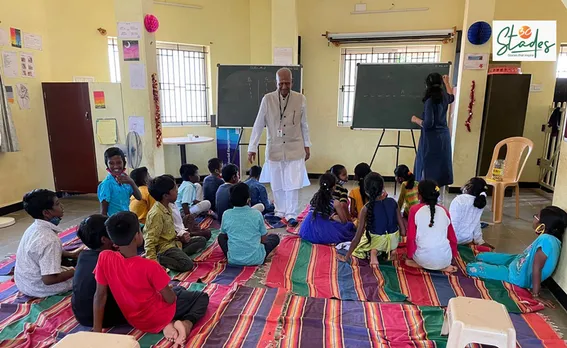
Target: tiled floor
[(512, 236)]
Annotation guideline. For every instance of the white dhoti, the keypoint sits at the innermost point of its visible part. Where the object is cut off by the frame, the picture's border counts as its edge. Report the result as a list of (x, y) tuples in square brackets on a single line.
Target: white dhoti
[(286, 178)]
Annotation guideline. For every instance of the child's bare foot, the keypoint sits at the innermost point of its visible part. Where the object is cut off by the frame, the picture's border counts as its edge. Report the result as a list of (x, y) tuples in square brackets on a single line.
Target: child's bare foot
[(374, 258), (412, 263), (170, 332), (450, 269), (184, 328)]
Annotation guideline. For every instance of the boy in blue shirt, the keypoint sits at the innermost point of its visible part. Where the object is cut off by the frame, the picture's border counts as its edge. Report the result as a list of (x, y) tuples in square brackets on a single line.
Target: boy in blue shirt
[(212, 182), (190, 198), (244, 239), (115, 190), (258, 192)]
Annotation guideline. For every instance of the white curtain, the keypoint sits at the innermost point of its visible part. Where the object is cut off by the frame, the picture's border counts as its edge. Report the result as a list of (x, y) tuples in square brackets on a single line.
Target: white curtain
[(8, 138)]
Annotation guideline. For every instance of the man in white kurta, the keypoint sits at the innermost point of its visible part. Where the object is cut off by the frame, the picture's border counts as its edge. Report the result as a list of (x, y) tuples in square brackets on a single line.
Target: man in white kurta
[(284, 114)]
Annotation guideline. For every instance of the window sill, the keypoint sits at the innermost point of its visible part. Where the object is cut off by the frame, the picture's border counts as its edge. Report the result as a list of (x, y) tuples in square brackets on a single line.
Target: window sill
[(177, 125)]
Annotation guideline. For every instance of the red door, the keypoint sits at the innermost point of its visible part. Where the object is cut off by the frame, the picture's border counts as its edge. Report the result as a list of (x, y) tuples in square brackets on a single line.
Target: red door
[(71, 138)]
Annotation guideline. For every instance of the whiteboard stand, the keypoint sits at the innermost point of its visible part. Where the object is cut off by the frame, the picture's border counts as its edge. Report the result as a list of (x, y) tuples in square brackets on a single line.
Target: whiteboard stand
[(396, 146), (239, 144)]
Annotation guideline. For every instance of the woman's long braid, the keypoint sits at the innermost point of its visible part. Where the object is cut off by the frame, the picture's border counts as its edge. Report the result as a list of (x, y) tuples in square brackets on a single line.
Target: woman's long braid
[(361, 171), (374, 186), (321, 201), (429, 193)]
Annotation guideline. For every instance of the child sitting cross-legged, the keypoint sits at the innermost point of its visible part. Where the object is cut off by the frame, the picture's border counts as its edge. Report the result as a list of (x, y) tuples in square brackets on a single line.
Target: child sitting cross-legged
[(380, 223), (244, 239), (38, 271), (231, 176), (161, 240), (212, 182), (358, 197), (190, 198), (431, 242), (533, 265), (258, 192), (327, 221), (141, 287), (92, 232)]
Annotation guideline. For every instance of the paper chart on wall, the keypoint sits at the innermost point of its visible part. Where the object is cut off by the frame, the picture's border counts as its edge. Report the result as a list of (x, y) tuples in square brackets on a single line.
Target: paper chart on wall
[(23, 96), (33, 41), (137, 76), (136, 124), (4, 38), (106, 131), (129, 30), (10, 94), (10, 64), (28, 65)]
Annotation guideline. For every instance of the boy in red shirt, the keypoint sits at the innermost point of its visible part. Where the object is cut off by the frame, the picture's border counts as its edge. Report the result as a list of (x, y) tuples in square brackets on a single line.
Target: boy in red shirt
[(141, 287)]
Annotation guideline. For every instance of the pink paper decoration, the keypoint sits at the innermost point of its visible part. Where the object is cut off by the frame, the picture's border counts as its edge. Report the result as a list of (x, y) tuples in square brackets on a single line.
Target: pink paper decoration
[(151, 22)]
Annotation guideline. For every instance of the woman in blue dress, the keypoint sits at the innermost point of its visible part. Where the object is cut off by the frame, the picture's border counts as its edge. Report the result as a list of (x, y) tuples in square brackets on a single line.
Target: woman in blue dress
[(434, 156), (327, 221)]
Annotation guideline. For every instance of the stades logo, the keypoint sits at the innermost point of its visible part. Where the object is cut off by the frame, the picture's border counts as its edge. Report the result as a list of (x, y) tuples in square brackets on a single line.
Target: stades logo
[(524, 41)]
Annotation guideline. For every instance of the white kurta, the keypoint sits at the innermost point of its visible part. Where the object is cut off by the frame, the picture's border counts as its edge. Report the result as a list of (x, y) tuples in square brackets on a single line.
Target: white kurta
[(285, 152)]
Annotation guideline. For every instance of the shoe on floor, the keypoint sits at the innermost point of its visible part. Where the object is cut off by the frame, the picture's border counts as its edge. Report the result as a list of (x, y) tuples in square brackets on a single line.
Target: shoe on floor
[(292, 222)]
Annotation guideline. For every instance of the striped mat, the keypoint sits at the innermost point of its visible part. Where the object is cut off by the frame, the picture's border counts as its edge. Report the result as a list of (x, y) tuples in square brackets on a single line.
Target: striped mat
[(42, 323), (314, 271), (316, 322)]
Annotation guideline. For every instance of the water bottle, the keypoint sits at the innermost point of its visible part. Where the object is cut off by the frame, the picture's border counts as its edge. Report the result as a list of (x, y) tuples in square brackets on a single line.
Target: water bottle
[(498, 170)]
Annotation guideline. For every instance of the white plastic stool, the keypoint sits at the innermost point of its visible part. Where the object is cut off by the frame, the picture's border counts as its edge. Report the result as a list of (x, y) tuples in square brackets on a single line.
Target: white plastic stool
[(473, 320), (87, 339)]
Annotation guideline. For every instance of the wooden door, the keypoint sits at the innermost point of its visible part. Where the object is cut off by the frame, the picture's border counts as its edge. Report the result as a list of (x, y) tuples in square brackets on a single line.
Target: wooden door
[(71, 138)]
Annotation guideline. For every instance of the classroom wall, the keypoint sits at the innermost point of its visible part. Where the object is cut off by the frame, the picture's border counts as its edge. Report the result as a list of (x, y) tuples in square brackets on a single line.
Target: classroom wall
[(30, 168), (223, 26), (321, 61)]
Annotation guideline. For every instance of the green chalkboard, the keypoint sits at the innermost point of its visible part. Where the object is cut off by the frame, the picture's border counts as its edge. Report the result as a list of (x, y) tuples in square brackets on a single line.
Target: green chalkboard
[(387, 95), (241, 89)]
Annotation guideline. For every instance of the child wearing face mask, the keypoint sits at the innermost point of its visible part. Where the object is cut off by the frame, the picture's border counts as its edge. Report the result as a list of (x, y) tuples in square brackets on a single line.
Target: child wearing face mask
[(38, 271)]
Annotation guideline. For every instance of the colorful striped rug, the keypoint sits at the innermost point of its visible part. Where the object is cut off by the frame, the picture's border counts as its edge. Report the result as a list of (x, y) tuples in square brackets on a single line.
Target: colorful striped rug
[(314, 271), (42, 324), (316, 322)]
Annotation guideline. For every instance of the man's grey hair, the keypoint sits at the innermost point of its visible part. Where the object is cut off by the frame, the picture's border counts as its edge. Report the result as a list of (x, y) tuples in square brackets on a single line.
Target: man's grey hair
[(281, 70)]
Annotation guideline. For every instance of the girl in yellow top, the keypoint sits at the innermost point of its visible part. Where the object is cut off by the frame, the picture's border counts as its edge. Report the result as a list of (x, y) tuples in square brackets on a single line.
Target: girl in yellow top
[(408, 193), (141, 207), (358, 197)]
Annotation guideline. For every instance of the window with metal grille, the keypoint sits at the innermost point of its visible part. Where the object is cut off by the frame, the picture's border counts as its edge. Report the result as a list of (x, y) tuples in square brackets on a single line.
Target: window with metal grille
[(562, 62), (183, 81), (351, 56)]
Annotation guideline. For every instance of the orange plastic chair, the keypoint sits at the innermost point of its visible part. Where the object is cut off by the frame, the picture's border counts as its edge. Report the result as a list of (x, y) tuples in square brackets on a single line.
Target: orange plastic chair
[(515, 148)]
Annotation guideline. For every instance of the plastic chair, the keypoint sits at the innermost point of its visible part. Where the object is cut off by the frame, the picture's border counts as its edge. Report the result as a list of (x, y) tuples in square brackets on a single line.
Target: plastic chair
[(87, 339), (473, 320), (515, 148)]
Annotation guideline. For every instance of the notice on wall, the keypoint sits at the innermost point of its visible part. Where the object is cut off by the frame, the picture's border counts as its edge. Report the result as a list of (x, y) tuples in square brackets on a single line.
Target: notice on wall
[(83, 79), (131, 50), (476, 61), (137, 76), (106, 131), (136, 124), (16, 37), (28, 65), (10, 63), (283, 56), (130, 30), (23, 96), (4, 38), (33, 41), (99, 100), (10, 94)]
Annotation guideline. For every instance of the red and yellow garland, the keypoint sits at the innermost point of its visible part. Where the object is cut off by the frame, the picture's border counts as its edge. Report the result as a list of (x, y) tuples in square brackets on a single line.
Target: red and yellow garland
[(155, 90), (471, 104)]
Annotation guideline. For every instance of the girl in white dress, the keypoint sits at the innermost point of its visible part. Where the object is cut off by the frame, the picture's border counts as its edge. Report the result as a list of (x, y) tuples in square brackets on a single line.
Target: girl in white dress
[(431, 240)]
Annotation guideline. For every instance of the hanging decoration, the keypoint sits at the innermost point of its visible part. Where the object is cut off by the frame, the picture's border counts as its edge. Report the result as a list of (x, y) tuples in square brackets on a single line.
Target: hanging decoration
[(479, 33), (157, 116), (151, 23), (471, 104)]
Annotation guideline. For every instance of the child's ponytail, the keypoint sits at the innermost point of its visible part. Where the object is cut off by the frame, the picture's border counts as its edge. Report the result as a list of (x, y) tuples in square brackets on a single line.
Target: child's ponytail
[(374, 186), (477, 187), (361, 171), (429, 193), (402, 171), (321, 201)]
